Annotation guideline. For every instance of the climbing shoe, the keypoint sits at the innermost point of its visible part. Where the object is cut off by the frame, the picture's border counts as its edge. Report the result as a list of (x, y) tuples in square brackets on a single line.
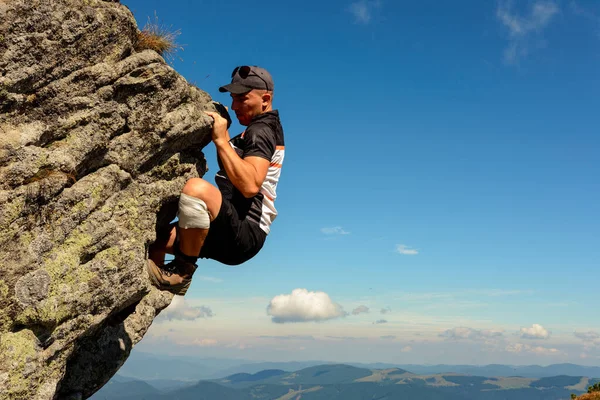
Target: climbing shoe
[(175, 276)]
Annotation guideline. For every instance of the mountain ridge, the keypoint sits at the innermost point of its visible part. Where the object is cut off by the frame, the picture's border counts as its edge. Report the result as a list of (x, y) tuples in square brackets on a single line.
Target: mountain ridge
[(145, 366), (343, 381)]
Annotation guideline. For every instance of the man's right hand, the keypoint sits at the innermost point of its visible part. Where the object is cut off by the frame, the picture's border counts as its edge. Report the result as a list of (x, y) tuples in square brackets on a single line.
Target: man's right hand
[(220, 136), (223, 112)]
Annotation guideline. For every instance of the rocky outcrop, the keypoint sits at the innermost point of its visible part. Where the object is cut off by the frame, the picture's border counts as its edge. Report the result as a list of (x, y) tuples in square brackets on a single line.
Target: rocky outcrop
[(97, 138), (588, 396)]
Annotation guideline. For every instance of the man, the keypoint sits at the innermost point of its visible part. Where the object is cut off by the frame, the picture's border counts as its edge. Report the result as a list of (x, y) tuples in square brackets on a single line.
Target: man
[(229, 223)]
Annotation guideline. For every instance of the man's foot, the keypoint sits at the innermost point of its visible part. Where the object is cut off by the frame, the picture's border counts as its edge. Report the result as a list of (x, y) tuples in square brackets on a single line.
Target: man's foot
[(175, 276)]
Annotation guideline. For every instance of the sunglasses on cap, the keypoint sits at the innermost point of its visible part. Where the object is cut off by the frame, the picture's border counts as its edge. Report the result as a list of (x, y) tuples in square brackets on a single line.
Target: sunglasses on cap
[(244, 71)]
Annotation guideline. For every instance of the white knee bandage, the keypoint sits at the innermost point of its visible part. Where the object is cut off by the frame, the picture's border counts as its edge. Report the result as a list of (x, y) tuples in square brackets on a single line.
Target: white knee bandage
[(193, 213)]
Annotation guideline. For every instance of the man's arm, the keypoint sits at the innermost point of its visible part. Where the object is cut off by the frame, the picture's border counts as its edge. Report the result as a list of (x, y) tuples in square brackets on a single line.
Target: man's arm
[(247, 174)]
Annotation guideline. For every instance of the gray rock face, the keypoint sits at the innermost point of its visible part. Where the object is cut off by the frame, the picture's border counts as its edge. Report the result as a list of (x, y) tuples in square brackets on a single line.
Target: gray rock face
[(97, 138)]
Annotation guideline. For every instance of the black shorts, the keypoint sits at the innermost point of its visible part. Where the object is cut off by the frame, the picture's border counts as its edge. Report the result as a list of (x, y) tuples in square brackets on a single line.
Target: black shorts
[(232, 240)]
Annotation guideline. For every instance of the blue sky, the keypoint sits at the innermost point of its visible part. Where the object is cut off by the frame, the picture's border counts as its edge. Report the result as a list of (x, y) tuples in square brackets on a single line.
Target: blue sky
[(442, 171)]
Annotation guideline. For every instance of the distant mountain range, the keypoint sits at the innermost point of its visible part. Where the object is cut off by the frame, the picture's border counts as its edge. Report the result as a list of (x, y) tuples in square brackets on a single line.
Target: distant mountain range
[(528, 371), (346, 382), (147, 367)]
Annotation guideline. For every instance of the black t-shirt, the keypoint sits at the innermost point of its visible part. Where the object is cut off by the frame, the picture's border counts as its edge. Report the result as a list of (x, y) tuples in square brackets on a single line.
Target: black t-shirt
[(262, 138)]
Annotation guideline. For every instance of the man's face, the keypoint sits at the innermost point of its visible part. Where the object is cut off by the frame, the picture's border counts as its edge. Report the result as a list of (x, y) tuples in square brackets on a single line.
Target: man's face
[(247, 105)]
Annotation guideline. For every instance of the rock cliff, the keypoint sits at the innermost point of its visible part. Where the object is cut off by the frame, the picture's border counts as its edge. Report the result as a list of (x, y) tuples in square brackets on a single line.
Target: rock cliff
[(97, 138)]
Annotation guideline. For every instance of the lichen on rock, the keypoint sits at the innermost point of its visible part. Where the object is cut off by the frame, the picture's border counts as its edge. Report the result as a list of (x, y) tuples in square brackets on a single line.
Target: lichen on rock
[(96, 141)]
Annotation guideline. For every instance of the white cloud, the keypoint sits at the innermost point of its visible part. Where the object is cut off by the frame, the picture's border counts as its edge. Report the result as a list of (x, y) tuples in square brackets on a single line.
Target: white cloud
[(386, 310), (501, 292), (591, 339), (238, 345), (344, 337), (541, 14), (288, 337), (406, 349), (407, 251), (179, 309), (336, 230), (447, 297), (360, 310), (204, 342), (535, 332), (363, 10), (520, 28), (184, 340), (525, 348), (381, 321), (464, 333), (589, 336), (303, 306)]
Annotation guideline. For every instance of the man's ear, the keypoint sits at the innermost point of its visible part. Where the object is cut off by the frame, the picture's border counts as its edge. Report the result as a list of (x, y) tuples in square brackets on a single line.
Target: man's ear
[(267, 97)]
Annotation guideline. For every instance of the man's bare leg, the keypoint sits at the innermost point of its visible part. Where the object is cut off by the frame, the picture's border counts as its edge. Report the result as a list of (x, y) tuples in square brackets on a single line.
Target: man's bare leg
[(190, 240), (163, 245)]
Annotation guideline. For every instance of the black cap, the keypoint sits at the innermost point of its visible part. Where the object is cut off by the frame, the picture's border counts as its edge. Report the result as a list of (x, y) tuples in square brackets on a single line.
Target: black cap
[(246, 78)]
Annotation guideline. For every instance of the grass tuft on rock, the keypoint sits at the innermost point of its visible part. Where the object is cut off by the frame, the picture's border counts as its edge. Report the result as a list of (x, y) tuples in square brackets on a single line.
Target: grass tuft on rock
[(156, 36)]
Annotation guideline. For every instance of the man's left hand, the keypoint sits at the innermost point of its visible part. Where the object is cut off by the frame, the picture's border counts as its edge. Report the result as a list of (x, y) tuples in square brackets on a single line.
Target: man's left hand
[(219, 134)]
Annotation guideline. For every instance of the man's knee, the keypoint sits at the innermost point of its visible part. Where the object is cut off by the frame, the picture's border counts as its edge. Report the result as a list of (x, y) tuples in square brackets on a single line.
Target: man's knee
[(199, 188), (193, 213), (199, 198)]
